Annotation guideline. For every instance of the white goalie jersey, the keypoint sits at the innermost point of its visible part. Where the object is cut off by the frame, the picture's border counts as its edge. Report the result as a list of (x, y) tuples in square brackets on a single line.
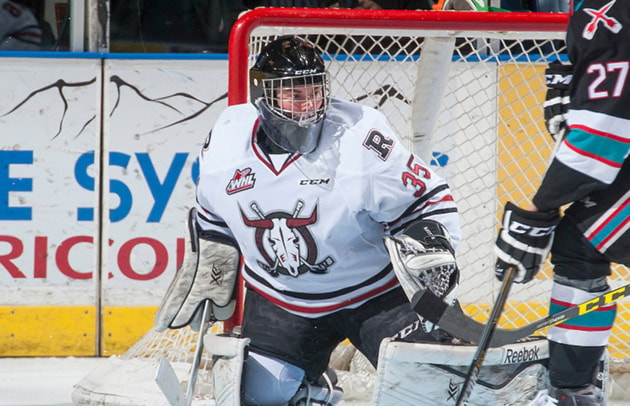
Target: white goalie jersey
[(311, 227)]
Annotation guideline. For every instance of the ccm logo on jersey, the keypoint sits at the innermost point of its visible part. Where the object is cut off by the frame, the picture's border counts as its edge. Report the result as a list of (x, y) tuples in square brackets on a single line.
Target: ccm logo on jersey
[(242, 180), (315, 181), (523, 355), (519, 228)]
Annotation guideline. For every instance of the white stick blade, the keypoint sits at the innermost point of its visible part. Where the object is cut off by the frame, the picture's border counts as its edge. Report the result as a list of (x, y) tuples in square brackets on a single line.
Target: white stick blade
[(168, 382)]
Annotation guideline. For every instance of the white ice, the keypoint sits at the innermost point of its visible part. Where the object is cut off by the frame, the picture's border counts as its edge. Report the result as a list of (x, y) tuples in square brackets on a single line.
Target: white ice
[(50, 381), (42, 381)]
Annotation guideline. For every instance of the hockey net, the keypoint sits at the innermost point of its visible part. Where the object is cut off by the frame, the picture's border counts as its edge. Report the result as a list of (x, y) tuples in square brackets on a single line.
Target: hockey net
[(465, 91)]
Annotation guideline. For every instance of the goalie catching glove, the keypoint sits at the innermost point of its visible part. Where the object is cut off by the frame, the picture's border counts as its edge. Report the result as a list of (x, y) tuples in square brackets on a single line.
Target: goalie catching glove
[(423, 258), (209, 272), (524, 241), (556, 105)]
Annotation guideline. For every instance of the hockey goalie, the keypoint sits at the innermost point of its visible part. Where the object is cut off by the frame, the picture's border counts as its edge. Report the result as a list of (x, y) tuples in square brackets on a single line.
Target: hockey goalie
[(304, 189), (427, 373)]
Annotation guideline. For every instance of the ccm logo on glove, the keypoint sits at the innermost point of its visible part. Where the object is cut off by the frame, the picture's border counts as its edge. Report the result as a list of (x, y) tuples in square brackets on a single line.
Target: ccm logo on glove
[(525, 229), (524, 241), (558, 80)]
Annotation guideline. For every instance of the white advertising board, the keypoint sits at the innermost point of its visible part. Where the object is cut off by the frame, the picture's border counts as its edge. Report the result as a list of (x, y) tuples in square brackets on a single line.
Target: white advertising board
[(97, 172), (49, 142), (98, 162), (159, 114), (75, 151)]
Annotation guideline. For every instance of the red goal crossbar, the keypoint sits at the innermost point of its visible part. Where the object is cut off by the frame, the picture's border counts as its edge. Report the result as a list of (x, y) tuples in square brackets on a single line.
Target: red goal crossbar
[(376, 19)]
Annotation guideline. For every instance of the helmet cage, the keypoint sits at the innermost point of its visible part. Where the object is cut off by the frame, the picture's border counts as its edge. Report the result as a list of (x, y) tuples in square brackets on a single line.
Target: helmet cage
[(302, 99), (290, 135), (290, 88)]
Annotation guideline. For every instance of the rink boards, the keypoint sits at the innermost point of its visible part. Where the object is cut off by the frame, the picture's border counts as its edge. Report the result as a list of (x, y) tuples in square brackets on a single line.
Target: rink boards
[(98, 166)]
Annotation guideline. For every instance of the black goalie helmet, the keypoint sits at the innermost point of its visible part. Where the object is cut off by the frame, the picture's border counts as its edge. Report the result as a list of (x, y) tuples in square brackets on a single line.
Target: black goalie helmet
[(289, 87)]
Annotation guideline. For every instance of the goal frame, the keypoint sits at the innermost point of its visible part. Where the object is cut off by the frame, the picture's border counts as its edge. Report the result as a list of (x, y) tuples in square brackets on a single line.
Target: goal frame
[(454, 22), (378, 19)]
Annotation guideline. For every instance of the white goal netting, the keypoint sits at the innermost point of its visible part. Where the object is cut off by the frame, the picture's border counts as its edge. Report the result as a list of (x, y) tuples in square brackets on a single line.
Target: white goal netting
[(465, 90)]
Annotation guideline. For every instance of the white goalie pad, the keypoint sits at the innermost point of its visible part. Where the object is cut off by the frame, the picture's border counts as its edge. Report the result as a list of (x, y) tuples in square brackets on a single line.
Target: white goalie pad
[(228, 354), (209, 272), (433, 374)]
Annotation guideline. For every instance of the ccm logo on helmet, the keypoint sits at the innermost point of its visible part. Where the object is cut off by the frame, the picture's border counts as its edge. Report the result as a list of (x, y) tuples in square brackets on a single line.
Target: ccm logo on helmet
[(519, 228), (305, 71), (522, 355)]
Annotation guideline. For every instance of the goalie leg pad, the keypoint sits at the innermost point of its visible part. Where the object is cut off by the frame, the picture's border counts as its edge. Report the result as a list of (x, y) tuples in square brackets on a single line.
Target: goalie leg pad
[(511, 375), (228, 355), (209, 272)]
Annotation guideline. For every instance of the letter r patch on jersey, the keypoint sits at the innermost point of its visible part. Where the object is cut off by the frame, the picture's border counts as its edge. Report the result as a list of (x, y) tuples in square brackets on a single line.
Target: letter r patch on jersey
[(379, 143)]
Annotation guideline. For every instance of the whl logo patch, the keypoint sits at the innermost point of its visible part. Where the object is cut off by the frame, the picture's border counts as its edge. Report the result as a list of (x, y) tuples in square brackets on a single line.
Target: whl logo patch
[(242, 180)]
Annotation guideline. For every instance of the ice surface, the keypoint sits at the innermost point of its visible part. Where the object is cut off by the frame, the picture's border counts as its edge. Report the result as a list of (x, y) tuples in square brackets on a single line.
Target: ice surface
[(50, 381), (42, 381)]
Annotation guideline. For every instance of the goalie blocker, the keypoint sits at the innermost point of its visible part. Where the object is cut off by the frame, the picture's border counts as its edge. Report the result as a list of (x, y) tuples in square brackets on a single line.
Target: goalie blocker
[(209, 271)]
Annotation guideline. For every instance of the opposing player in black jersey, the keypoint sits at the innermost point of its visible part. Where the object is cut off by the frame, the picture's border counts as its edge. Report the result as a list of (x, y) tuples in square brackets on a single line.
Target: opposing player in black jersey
[(590, 173)]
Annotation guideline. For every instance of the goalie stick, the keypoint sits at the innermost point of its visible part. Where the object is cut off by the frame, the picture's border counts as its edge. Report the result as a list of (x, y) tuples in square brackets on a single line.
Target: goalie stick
[(484, 341), (166, 378), (453, 320)]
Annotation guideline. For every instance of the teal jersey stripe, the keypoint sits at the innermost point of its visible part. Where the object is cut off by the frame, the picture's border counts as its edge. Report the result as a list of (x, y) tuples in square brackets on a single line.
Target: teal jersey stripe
[(597, 145), (595, 319), (610, 226)]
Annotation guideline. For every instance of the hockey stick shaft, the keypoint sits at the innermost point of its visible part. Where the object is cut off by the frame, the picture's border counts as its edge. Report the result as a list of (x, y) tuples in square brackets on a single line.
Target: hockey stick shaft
[(198, 352), (166, 378), (453, 320), (486, 336)]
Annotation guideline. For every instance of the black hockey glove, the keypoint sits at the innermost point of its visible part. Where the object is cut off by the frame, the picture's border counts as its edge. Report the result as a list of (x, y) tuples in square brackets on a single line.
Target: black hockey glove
[(558, 78), (524, 241)]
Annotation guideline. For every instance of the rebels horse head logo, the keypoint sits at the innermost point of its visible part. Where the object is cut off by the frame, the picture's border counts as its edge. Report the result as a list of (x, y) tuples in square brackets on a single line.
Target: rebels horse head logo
[(285, 243)]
